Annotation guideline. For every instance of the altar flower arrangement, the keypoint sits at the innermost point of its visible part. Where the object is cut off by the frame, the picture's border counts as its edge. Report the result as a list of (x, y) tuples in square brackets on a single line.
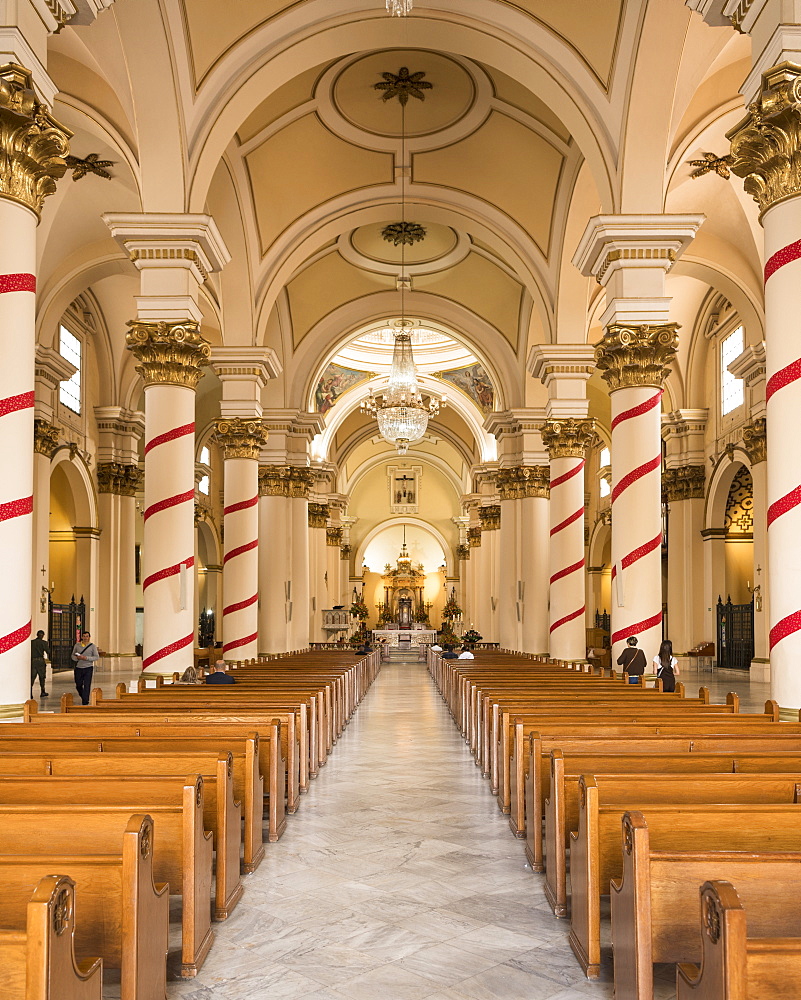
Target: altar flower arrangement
[(451, 609), (471, 637), (359, 610)]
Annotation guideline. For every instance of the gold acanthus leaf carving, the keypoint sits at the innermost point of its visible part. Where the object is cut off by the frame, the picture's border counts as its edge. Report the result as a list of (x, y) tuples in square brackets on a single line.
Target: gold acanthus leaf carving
[(120, 479), (240, 438), (637, 355), (285, 481), (755, 440), (45, 438), (766, 144), (521, 481), (318, 514), (170, 353), (569, 437), (687, 482), (33, 145)]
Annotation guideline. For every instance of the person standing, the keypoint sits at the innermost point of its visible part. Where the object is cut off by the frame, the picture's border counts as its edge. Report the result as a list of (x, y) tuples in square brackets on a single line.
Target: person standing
[(84, 655), (632, 660), (667, 666), (39, 650)]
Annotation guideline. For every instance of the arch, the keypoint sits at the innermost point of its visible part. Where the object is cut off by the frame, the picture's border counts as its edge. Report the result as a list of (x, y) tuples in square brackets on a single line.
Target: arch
[(720, 481), (601, 535), (408, 519), (348, 486), (81, 484)]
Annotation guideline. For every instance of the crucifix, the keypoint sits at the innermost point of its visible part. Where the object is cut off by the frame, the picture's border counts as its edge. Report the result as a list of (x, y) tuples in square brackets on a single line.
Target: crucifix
[(403, 494)]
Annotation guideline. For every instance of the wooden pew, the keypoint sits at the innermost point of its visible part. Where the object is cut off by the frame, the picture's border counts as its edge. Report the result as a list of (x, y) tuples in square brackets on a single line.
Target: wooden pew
[(182, 852), (37, 950), (180, 726), (595, 854), (562, 808), (123, 916), (222, 814), (734, 964), (655, 901)]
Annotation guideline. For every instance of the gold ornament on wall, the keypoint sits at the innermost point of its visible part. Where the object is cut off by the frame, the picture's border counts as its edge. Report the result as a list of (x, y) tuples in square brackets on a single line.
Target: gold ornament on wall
[(755, 440), (403, 85), (712, 164), (90, 164), (45, 438)]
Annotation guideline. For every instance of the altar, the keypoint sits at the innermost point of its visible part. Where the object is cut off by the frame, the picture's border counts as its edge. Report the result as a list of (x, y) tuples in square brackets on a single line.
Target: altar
[(406, 636)]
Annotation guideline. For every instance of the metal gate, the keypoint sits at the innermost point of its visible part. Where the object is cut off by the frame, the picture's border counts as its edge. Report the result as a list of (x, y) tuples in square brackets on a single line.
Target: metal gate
[(65, 624), (735, 635)]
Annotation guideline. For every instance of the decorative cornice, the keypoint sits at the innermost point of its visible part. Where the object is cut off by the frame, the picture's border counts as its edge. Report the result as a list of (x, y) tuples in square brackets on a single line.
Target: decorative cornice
[(318, 515), (687, 482), (45, 438), (285, 481), (640, 254), (568, 438), (755, 440), (474, 537), (32, 143), (333, 537), (490, 517), (521, 481), (121, 480), (636, 355), (766, 144), (170, 353), (240, 438)]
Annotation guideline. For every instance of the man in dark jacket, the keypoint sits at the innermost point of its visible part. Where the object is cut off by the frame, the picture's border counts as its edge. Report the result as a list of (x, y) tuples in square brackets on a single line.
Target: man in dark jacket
[(39, 650), (219, 675), (632, 660)]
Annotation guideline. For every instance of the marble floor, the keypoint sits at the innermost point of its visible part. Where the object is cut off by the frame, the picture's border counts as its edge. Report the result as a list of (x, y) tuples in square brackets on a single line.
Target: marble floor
[(398, 878)]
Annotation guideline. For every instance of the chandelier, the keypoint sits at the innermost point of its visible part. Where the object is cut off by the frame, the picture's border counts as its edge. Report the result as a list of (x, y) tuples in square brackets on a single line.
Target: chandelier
[(400, 411), (399, 8)]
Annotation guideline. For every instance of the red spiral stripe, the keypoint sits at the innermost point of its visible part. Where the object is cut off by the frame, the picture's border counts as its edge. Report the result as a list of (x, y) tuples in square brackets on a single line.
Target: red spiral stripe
[(15, 638), (631, 477), (168, 571), (173, 435), (567, 475), (16, 508), (240, 605), (17, 283), (179, 498), (784, 256), (12, 404), (637, 411), (239, 550), (166, 650), (568, 570), (638, 553), (624, 633), (567, 618), (787, 626), (781, 379), (784, 505), (567, 521), (236, 643), (241, 505)]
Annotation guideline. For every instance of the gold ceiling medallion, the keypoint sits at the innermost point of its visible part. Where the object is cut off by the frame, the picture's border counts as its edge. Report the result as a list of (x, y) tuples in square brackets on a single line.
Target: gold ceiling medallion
[(90, 164), (406, 233), (712, 164), (403, 85)]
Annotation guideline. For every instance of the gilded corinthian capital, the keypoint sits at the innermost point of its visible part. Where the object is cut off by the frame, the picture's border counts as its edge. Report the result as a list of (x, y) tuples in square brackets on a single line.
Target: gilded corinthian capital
[(755, 440), (569, 437), (32, 143), (636, 355), (45, 438), (521, 481), (766, 144), (240, 438), (120, 479), (170, 353)]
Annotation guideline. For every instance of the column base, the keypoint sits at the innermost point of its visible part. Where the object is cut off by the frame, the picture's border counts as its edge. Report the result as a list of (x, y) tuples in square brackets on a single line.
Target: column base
[(12, 713), (760, 670)]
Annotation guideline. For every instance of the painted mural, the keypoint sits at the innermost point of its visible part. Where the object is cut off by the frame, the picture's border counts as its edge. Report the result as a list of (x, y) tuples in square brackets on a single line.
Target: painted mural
[(333, 382), (475, 383)]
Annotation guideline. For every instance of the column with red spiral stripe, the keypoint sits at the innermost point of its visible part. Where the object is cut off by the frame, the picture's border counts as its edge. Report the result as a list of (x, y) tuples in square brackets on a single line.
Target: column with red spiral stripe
[(633, 361), (765, 147), (171, 360), (567, 440), (33, 145), (241, 442)]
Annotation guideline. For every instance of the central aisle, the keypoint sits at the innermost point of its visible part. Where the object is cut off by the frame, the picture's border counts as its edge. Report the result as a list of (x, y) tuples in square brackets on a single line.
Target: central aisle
[(397, 880)]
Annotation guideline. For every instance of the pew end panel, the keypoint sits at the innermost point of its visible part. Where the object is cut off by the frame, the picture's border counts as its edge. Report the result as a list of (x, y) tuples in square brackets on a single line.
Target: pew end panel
[(198, 935), (585, 896), (228, 885)]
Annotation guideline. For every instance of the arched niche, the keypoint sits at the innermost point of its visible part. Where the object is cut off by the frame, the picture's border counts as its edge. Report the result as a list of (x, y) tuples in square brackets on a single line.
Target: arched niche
[(72, 551), (729, 529)]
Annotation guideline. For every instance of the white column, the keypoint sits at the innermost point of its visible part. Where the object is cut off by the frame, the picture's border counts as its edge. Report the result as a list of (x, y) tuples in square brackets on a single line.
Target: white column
[(300, 593), (318, 562), (29, 164), (756, 445), (274, 561), (114, 624), (683, 490), (535, 562), (567, 440), (45, 444), (509, 553)]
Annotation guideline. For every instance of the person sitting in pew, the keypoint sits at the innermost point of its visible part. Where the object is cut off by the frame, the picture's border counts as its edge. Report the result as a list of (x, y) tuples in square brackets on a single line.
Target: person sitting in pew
[(448, 654), (190, 676), (632, 660), (466, 654), (219, 674), (666, 666)]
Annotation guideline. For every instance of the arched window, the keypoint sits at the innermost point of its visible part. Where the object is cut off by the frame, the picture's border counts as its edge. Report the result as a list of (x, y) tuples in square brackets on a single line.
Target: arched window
[(731, 388), (71, 348)]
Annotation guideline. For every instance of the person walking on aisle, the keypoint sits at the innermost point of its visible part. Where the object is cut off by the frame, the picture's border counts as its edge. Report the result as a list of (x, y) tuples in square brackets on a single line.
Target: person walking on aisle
[(39, 650), (84, 655), (667, 666), (632, 660)]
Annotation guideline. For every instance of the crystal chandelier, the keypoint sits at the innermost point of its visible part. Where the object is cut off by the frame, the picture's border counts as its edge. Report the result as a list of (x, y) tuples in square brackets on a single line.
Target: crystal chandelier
[(399, 8), (400, 411)]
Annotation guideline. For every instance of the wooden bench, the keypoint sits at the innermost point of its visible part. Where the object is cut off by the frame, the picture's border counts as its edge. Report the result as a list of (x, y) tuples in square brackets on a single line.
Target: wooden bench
[(562, 807), (596, 858), (37, 950), (655, 913), (182, 852), (123, 916), (734, 964)]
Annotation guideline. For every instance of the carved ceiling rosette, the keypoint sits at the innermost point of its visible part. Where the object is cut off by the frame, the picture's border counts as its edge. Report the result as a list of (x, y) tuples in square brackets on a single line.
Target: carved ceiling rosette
[(33, 144), (637, 355), (240, 438), (569, 437), (170, 353), (766, 144)]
